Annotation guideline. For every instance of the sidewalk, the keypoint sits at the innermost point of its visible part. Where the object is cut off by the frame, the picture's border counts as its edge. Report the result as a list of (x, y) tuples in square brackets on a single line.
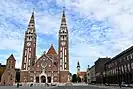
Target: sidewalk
[(109, 87)]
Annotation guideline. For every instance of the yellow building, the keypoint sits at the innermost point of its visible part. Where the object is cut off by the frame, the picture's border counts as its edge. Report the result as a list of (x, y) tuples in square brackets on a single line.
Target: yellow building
[(2, 69)]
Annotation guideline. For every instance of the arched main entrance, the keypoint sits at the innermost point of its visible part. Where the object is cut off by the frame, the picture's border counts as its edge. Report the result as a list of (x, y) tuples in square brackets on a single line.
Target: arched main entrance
[(43, 79)]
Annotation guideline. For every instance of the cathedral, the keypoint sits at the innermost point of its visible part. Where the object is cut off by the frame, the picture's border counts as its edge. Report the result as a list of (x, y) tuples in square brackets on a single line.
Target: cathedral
[(52, 66)]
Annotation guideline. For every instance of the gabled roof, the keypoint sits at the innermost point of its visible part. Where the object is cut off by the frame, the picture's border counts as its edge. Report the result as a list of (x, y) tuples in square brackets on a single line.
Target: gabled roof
[(51, 50), (43, 55), (11, 57)]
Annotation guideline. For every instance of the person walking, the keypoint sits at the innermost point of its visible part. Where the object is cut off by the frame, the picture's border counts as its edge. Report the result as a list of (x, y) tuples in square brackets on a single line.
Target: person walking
[(17, 85), (120, 84)]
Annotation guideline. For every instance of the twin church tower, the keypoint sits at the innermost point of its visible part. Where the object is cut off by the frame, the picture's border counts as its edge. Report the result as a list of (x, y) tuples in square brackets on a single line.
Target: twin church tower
[(52, 66)]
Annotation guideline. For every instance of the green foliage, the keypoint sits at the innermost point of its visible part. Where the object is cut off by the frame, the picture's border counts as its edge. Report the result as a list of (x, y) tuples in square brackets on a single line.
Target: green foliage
[(85, 78), (2, 70), (78, 79), (70, 74), (74, 78)]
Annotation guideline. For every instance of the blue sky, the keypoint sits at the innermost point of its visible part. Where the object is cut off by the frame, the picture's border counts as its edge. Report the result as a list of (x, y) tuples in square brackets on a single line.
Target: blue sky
[(96, 28)]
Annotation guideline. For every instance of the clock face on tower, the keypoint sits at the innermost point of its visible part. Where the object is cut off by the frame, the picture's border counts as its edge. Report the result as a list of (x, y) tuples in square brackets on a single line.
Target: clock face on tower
[(63, 43), (28, 44)]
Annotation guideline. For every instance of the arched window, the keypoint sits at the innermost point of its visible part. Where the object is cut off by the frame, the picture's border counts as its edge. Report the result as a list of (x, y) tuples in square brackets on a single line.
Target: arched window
[(122, 69), (125, 68)]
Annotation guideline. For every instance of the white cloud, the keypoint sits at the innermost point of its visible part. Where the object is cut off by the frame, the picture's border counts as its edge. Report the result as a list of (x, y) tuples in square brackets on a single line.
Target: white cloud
[(119, 15)]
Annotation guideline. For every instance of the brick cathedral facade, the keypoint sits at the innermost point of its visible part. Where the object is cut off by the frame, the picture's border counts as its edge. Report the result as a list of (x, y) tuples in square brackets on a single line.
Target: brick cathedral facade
[(51, 67)]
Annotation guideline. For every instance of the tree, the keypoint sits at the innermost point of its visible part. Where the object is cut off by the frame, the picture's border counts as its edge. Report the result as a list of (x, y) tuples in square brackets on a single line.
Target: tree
[(85, 78), (70, 74), (78, 79), (74, 78)]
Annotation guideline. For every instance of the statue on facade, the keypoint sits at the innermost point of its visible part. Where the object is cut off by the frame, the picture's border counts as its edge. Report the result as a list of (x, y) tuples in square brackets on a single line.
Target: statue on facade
[(43, 65)]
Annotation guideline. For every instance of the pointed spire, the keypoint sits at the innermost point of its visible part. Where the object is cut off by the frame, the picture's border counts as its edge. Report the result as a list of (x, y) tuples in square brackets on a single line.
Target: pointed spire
[(63, 20), (63, 12), (51, 50), (78, 65), (31, 25), (32, 18), (11, 57)]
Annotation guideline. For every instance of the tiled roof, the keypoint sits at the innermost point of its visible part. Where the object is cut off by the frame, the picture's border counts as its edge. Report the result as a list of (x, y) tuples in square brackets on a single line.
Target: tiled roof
[(81, 73), (11, 57), (51, 50)]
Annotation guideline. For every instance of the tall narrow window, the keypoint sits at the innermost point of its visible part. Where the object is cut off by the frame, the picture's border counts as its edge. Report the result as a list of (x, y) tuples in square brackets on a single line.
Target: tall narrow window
[(29, 55), (60, 61), (61, 48), (24, 65), (131, 56), (24, 59), (65, 51), (65, 59), (30, 49), (61, 54), (29, 62), (125, 68), (65, 65), (122, 69), (28, 68)]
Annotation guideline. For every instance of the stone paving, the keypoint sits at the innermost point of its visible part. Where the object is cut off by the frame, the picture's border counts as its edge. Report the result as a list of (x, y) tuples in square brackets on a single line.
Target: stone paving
[(74, 86), (110, 87)]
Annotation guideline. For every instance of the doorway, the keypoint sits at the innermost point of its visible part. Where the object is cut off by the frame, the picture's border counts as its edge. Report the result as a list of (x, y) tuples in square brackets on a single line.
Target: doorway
[(37, 79), (43, 79), (49, 79)]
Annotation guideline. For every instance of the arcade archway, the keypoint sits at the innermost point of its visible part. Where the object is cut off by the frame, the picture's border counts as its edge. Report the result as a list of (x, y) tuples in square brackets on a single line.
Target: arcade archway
[(49, 79), (43, 79), (37, 79)]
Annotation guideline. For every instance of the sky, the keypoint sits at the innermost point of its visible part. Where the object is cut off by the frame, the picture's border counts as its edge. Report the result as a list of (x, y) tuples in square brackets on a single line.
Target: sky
[(97, 28)]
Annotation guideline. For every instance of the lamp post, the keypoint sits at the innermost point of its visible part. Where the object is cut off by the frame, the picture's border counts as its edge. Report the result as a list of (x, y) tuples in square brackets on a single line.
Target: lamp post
[(88, 74)]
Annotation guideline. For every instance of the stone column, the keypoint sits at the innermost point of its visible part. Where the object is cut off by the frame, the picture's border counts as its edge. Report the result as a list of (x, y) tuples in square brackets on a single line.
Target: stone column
[(34, 78), (68, 78), (52, 79), (46, 79), (39, 79)]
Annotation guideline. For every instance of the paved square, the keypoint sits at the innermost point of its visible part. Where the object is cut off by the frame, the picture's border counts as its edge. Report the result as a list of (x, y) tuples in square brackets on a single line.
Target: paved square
[(61, 87)]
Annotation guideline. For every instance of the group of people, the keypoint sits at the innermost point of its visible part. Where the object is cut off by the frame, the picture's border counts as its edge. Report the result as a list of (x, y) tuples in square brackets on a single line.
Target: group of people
[(32, 85), (120, 84)]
